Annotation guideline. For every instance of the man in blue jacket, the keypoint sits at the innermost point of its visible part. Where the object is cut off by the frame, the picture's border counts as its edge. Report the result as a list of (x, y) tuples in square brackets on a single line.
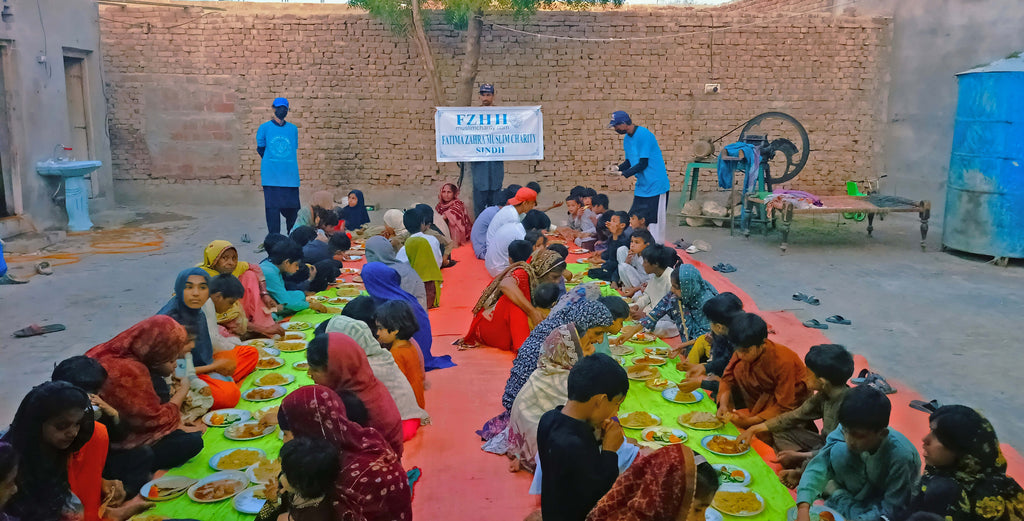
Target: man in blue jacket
[(277, 143), (643, 160)]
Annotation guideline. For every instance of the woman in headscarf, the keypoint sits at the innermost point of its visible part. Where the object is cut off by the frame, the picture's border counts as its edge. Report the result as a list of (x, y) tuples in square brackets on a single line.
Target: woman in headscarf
[(504, 314), (379, 249), (684, 304), (322, 202), (354, 213), (383, 284), (222, 368), (670, 484), (384, 368), (137, 361), (582, 310), (53, 422), (394, 228), (253, 312), (453, 211), (371, 485), (965, 471), (421, 258), (337, 361)]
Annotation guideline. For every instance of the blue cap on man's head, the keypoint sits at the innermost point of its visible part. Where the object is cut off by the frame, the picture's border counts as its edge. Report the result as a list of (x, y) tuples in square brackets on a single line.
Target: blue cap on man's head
[(619, 117), (487, 88), (280, 102)]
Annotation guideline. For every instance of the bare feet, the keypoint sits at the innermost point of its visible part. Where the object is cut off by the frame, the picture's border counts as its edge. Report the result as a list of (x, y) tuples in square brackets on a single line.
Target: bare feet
[(791, 478), (136, 505), (792, 459)]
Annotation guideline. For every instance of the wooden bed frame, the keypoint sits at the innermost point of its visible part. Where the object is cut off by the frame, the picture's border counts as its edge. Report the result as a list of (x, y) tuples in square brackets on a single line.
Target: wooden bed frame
[(837, 204)]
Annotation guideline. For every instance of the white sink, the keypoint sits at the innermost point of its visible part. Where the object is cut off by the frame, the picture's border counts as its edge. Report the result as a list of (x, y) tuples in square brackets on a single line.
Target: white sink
[(67, 168)]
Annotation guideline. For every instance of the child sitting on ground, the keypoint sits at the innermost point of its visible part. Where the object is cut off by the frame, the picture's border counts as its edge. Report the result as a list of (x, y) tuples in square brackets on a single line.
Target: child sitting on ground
[(544, 298), (580, 468), (284, 258), (632, 275), (793, 435), (396, 325), (537, 239), (706, 362), (582, 223), (225, 292), (617, 238), (865, 470), (334, 248), (637, 221), (763, 379), (309, 469)]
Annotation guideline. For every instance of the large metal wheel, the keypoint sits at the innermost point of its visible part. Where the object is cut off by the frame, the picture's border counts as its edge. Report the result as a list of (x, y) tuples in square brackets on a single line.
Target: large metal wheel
[(787, 146)]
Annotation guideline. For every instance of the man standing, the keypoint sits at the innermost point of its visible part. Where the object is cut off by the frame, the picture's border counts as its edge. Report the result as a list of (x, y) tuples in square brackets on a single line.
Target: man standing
[(277, 143), (643, 160), (488, 176)]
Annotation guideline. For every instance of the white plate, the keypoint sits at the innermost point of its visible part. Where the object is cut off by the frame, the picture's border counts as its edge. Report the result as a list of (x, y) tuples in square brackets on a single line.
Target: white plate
[(659, 351), (217, 457), (662, 429), (621, 350), (706, 439), (298, 323), (712, 515), (242, 414), (295, 365), (737, 488), (229, 433), (176, 484), (234, 475), (729, 469), (815, 509), (692, 427), (339, 301), (671, 393), (349, 271), (353, 258), (303, 343), (578, 251), (656, 417), (279, 391), (269, 351), (659, 359), (289, 377), (251, 473), (260, 342), (247, 502), (280, 362)]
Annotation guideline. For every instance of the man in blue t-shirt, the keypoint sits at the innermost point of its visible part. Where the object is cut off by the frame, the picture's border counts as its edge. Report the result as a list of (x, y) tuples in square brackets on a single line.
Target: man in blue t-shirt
[(643, 160), (277, 143)]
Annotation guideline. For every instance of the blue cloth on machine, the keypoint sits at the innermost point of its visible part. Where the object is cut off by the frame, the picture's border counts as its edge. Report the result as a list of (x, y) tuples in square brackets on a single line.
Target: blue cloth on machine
[(751, 164)]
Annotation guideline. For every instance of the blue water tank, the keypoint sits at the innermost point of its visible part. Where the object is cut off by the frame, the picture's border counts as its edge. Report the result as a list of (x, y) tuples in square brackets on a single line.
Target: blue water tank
[(985, 193)]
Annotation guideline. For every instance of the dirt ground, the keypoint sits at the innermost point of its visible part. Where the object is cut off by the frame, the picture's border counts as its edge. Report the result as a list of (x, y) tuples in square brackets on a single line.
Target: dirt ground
[(942, 323)]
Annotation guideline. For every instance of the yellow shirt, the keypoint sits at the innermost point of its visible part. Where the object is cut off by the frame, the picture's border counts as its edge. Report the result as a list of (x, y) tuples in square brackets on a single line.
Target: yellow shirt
[(701, 351)]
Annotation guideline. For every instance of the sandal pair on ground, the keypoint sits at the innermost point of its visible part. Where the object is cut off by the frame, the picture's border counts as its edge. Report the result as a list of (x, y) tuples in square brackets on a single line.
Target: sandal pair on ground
[(834, 319), (724, 268)]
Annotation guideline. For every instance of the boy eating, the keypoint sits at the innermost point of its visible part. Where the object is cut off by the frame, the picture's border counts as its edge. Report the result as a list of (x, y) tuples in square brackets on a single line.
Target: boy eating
[(617, 238), (793, 434), (865, 470), (706, 362), (285, 258), (578, 467), (631, 261), (767, 379)]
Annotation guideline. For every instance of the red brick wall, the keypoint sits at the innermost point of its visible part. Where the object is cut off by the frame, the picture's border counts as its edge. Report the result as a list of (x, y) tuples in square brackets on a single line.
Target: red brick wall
[(185, 101)]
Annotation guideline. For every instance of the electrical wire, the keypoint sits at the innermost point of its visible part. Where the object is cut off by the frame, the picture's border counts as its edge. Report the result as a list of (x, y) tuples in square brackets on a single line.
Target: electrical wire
[(673, 35), (151, 26)]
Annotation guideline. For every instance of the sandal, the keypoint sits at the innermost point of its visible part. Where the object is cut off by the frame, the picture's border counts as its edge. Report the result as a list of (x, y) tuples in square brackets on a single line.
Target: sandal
[(8, 279), (726, 268), (36, 329), (44, 268), (838, 319), (923, 406), (814, 324), (810, 299), (879, 383), (861, 377)]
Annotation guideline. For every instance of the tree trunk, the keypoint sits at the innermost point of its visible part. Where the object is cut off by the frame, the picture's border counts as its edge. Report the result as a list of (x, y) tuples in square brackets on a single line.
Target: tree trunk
[(467, 80), (420, 35), (471, 62)]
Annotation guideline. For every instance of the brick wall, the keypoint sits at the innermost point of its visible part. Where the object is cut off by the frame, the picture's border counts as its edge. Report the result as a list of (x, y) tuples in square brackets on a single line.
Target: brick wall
[(187, 89)]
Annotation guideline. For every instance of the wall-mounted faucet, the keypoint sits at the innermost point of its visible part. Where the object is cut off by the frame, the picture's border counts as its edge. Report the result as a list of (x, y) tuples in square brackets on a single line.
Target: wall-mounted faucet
[(60, 153)]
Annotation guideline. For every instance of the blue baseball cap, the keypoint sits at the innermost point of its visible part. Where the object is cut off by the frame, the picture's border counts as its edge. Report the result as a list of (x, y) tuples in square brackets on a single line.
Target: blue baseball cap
[(280, 102), (619, 117), (487, 88)]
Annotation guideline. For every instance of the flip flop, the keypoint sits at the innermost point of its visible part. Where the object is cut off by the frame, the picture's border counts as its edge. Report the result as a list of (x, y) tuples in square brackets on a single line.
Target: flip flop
[(727, 268), (838, 319), (36, 329), (810, 299), (245, 238), (861, 377), (814, 324), (717, 267), (8, 279), (923, 406), (878, 382)]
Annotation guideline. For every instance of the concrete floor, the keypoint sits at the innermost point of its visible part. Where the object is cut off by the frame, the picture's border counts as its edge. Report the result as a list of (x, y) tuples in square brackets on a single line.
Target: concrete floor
[(940, 322)]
